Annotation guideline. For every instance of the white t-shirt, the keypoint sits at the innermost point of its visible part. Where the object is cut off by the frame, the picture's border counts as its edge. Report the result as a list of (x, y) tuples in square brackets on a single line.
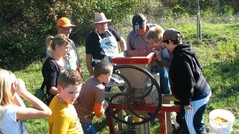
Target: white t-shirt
[(9, 123)]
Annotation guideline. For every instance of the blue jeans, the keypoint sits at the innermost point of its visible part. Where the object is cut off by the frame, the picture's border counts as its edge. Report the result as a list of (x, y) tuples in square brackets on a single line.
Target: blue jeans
[(164, 80), (88, 128)]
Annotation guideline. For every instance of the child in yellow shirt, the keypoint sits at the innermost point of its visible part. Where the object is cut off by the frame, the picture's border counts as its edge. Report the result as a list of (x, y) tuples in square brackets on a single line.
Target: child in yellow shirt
[(64, 118)]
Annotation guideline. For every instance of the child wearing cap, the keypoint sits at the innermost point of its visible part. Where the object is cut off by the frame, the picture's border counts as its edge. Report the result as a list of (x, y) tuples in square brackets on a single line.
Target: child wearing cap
[(64, 119), (188, 84), (91, 101), (155, 39)]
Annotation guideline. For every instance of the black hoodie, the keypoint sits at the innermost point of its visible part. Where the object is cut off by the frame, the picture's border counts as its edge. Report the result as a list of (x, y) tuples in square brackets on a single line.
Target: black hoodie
[(186, 78)]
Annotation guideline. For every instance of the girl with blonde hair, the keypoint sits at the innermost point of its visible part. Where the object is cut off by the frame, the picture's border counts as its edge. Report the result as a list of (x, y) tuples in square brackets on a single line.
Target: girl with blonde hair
[(163, 57), (12, 109), (59, 45)]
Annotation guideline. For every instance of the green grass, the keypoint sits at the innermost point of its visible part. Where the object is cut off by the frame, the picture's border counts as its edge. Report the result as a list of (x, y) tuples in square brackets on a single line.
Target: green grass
[(218, 54)]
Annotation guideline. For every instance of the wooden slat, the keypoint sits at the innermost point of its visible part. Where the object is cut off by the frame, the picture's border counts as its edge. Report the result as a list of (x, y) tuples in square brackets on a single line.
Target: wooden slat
[(168, 97)]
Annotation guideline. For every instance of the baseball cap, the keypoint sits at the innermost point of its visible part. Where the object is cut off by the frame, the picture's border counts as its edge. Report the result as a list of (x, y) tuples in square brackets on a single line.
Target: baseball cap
[(171, 34), (138, 21), (64, 22)]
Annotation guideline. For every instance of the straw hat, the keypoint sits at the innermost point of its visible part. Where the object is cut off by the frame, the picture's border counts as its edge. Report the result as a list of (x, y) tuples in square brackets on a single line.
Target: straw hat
[(100, 18)]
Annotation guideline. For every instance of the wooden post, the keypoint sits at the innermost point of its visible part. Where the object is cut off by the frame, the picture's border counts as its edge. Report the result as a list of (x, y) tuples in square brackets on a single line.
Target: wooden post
[(199, 32), (166, 100)]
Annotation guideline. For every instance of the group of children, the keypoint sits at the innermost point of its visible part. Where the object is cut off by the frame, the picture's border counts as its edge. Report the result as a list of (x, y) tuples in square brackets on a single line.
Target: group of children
[(68, 110), (73, 103), (64, 109), (76, 100), (91, 100), (187, 82)]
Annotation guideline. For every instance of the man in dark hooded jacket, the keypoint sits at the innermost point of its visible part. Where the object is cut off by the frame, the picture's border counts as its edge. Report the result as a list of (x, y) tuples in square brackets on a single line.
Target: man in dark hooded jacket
[(187, 82)]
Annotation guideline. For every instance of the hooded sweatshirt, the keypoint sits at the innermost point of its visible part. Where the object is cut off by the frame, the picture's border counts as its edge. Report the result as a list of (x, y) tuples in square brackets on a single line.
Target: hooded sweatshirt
[(186, 78)]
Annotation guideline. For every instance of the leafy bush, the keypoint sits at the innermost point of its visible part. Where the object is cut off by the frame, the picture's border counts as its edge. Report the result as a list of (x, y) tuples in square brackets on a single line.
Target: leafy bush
[(25, 24), (228, 10)]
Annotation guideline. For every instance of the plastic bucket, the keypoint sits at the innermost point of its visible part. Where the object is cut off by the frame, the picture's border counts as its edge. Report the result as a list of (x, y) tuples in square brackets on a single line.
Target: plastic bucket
[(221, 121)]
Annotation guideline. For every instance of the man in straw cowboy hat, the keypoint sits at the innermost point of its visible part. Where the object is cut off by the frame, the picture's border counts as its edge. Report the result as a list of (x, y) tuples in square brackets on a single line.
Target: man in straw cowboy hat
[(64, 26), (101, 43)]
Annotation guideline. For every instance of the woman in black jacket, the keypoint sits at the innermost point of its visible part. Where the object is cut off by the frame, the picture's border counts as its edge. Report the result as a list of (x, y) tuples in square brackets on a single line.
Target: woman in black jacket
[(187, 82)]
